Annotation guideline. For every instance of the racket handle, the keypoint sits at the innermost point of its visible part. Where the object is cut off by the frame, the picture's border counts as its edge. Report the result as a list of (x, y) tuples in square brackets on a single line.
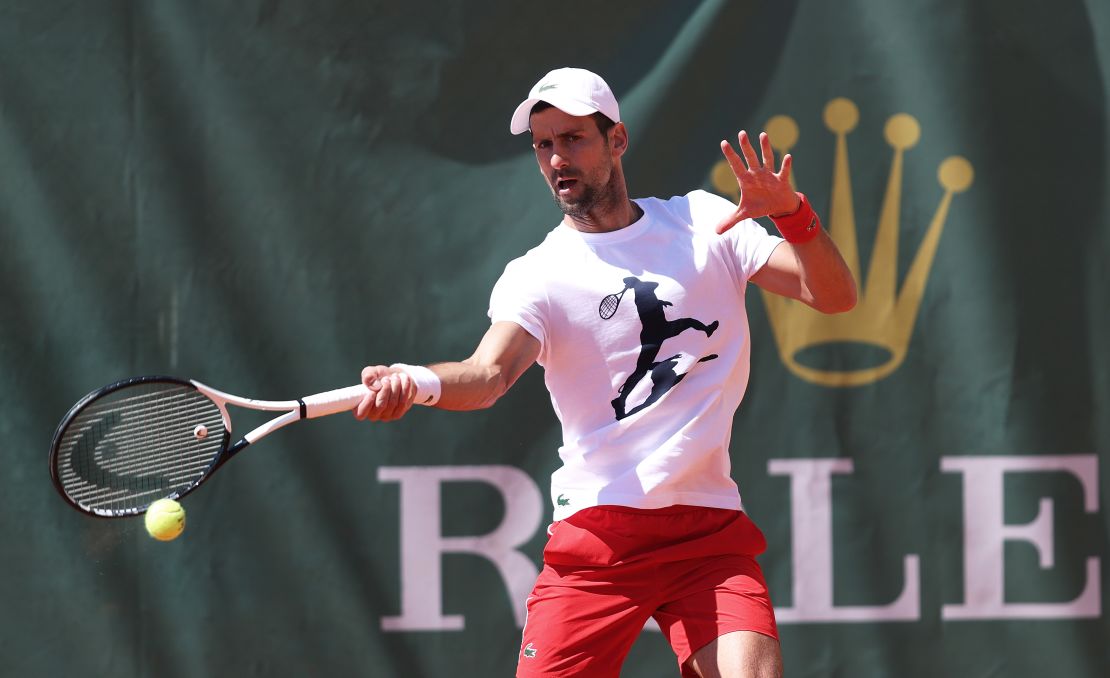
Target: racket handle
[(334, 402)]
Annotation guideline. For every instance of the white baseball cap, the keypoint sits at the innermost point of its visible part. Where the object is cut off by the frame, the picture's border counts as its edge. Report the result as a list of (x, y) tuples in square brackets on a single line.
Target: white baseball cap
[(572, 90)]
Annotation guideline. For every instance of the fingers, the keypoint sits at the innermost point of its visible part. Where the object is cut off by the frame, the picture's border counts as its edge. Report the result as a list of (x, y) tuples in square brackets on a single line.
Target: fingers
[(787, 163), (753, 176), (370, 376), (736, 217), (372, 373), (768, 152), (396, 396), (406, 395), (748, 151), (734, 160), (390, 396), (387, 399), (751, 160)]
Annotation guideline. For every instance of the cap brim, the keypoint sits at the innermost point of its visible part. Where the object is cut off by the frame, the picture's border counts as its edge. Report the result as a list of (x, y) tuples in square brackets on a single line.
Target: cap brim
[(519, 123)]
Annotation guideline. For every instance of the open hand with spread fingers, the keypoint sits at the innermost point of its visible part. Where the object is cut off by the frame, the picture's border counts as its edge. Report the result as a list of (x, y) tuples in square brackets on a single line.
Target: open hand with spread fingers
[(763, 192)]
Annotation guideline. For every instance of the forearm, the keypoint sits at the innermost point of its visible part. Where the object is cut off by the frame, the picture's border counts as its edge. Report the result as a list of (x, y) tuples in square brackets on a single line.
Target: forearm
[(808, 266), (826, 283), (469, 385), (504, 353)]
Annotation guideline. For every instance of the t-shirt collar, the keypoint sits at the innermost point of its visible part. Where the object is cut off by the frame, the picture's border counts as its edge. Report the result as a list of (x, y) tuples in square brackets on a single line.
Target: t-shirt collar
[(633, 230)]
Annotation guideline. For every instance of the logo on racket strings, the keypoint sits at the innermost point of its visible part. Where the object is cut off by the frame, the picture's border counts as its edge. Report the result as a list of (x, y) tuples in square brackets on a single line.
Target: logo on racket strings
[(92, 452)]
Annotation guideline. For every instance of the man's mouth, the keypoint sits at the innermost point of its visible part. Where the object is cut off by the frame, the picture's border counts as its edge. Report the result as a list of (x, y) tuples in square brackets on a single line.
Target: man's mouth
[(564, 185)]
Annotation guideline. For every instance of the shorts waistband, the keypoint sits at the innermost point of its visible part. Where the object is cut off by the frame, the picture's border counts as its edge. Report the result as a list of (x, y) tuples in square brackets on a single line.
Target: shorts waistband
[(664, 511)]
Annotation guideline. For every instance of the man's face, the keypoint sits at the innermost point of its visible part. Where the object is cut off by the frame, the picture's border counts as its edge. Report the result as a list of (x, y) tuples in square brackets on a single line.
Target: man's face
[(576, 160)]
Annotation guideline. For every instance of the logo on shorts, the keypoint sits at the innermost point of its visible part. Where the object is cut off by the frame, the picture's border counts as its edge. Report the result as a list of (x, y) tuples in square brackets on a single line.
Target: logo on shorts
[(529, 651), (562, 501)]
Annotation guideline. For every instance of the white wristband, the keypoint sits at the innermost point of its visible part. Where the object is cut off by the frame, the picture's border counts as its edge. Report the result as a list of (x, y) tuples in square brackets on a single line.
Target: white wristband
[(428, 385)]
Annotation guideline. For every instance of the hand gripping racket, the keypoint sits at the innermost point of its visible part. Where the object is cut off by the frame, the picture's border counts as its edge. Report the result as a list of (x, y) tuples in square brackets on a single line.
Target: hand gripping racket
[(124, 446)]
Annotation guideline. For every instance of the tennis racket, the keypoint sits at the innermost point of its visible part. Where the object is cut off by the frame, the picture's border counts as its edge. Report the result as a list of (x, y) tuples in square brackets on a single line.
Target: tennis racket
[(609, 304), (124, 446)]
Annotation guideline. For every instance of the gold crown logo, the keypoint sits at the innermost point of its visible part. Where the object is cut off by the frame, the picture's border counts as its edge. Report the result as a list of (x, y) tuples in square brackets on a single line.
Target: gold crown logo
[(884, 316)]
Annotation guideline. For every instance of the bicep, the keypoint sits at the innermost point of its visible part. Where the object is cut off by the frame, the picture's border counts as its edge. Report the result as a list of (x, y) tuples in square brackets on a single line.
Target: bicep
[(813, 273), (509, 349)]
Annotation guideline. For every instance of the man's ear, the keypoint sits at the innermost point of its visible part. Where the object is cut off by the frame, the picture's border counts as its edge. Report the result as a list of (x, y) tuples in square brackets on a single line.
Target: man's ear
[(618, 139)]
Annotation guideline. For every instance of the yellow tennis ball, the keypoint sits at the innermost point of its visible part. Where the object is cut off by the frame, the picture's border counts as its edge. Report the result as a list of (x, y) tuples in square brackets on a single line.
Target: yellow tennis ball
[(165, 519)]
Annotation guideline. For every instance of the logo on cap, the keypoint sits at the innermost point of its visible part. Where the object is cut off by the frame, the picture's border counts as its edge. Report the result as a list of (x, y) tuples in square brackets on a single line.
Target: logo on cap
[(548, 86)]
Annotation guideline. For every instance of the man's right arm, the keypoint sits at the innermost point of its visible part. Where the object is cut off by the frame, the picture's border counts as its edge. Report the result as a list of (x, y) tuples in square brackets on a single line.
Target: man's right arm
[(504, 353)]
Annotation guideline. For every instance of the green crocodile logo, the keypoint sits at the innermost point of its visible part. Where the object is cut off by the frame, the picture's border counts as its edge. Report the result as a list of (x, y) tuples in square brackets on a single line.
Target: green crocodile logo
[(529, 651), (562, 501), (550, 86)]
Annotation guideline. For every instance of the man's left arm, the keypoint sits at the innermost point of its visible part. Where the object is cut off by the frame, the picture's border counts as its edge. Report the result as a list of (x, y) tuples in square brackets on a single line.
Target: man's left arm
[(808, 266), (812, 272)]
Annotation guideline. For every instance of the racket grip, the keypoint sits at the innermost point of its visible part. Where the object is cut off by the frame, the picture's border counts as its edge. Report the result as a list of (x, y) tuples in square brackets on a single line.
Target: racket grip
[(334, 402)]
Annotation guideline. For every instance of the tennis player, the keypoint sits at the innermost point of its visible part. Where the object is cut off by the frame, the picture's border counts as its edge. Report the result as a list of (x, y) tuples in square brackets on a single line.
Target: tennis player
[(635, 310)]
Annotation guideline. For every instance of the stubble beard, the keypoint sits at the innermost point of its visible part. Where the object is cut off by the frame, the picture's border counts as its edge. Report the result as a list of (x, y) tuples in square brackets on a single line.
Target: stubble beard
[(596, 197)]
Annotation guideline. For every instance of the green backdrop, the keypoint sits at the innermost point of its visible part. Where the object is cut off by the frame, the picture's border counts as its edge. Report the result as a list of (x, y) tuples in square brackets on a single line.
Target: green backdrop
[(268, 195)]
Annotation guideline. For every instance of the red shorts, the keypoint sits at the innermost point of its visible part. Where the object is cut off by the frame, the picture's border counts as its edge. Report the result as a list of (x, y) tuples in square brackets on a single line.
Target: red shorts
[(607, 569)]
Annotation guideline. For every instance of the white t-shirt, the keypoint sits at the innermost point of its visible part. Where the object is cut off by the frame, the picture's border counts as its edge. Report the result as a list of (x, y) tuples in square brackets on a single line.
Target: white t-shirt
[(646, 396)]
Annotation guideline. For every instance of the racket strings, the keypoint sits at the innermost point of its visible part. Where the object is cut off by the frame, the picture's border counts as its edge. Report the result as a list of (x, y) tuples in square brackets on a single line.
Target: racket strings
[(608, 306), (166, 419), (137, 444), (128, 458)]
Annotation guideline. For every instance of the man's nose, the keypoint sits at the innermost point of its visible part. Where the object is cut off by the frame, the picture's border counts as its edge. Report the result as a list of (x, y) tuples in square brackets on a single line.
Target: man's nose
[(558, 161)]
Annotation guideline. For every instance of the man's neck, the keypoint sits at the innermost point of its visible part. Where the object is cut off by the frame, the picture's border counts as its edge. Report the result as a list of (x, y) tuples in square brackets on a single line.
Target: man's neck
[(606, 221)]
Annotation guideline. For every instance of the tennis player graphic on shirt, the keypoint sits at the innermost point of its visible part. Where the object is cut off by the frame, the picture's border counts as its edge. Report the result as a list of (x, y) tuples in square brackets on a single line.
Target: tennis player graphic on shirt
[(656, 330)]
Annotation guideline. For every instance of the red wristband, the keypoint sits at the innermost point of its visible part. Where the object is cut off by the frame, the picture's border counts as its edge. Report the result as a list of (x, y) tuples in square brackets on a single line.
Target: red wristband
[(801, 226)]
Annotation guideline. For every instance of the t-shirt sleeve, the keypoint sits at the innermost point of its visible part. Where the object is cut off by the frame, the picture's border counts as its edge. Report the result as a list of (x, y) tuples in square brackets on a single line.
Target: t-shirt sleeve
[(519, 297), (748, 240)]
